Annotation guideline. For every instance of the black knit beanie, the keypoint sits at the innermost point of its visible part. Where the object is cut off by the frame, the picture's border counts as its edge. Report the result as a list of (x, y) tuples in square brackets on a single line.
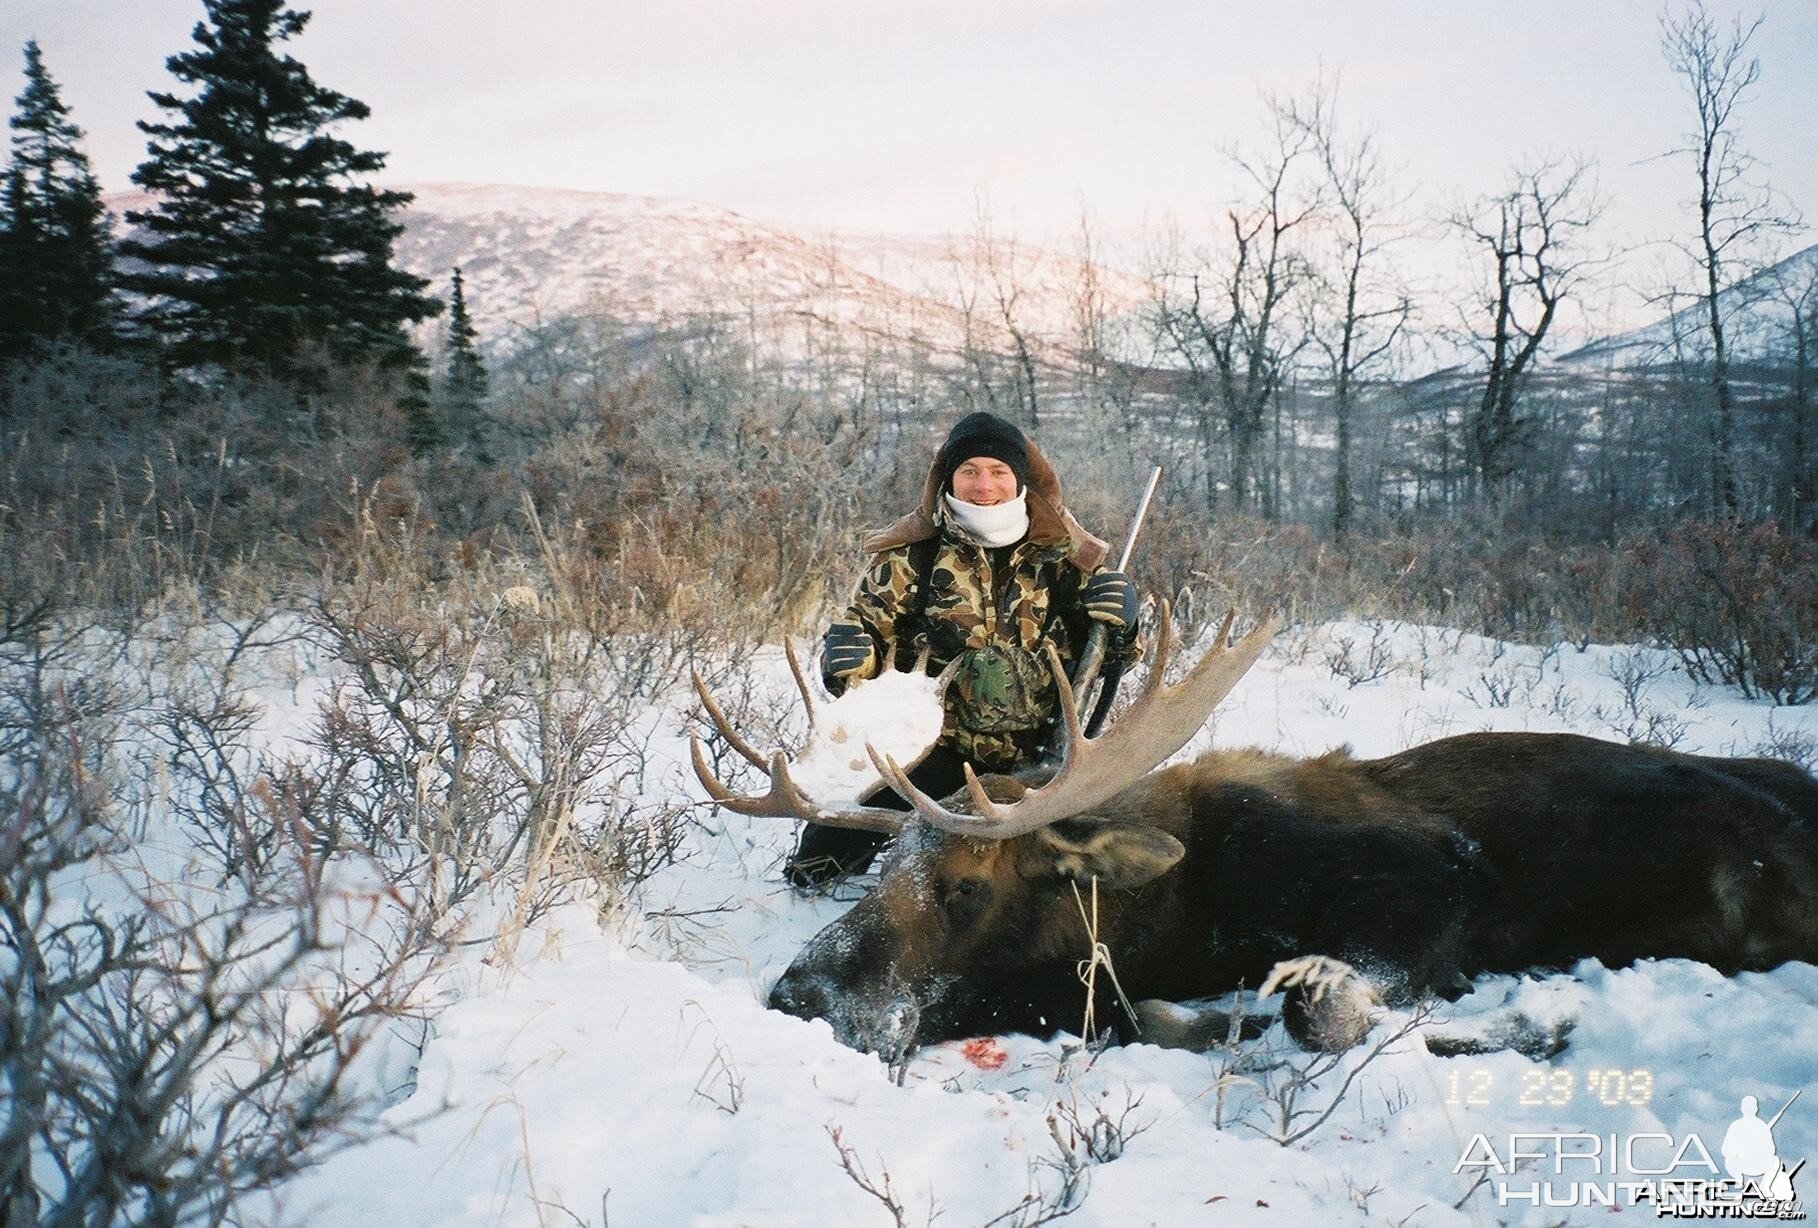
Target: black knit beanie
[(984, 434)]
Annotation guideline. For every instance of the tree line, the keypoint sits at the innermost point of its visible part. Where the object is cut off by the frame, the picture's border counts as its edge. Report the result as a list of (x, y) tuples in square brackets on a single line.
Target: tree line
[(263, 251), (1272, 360), (1302, 311)]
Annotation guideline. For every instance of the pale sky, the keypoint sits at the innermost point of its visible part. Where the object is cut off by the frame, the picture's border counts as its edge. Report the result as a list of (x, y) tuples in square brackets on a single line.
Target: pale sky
[(897, 116)]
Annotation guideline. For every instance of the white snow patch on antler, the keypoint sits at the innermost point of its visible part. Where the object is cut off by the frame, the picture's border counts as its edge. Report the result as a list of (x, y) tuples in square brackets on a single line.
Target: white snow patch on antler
[(899, 713)]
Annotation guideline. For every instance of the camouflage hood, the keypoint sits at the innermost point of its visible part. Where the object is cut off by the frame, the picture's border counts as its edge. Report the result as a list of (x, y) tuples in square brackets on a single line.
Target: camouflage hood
[(1050, 523)]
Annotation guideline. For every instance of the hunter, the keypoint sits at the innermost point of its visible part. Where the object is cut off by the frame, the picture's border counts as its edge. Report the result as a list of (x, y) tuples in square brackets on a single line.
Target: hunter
[(989, 569)]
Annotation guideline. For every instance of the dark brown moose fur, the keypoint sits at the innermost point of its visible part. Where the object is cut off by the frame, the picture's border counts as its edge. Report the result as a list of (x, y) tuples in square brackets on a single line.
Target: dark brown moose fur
[(1490, 852)]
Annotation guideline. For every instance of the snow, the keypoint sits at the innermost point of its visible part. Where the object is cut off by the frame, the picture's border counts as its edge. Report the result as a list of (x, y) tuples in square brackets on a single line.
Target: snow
[(897, 713), (630, 1074)]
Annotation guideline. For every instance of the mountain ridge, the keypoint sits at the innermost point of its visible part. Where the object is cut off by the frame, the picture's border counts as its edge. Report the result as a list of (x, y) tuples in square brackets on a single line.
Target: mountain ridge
[(531, 255)]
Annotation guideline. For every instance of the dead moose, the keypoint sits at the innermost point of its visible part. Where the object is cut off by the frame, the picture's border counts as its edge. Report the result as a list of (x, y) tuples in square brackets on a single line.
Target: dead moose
[(1346, 882)]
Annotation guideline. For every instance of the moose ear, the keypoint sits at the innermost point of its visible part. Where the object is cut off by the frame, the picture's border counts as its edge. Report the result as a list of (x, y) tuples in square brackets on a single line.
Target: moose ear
[(1117, 854)]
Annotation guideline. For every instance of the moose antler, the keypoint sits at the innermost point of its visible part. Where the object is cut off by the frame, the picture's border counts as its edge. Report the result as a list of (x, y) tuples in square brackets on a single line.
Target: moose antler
[(1163, 719), (785, 799)]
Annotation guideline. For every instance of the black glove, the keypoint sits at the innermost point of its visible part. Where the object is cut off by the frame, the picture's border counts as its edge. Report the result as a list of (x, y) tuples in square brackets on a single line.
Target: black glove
[(1111, 599), (846, 652)]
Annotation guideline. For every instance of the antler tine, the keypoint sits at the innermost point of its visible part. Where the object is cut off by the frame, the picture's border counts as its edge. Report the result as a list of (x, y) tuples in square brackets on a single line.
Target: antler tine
[(1167, 639), (716, 788), (1069, 702), (801, 683), (714, 713), (1163, 719), (1224, 630), (785, 800), (800, 805), (930, 809)]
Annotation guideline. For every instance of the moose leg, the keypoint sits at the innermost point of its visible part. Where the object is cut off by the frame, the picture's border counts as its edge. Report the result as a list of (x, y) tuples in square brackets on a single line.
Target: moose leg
[(1327, 1005), (1175, 1025), (1390, 945)]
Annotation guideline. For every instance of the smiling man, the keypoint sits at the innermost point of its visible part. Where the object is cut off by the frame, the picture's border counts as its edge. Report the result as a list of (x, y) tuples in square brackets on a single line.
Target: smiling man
[(987, 571)]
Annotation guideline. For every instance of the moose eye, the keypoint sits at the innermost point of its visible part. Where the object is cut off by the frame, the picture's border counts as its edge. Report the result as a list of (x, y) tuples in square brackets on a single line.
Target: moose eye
[(963, 901)]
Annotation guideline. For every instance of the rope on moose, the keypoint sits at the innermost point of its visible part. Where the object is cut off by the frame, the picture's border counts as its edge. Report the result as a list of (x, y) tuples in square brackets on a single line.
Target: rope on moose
[(1088, 968)]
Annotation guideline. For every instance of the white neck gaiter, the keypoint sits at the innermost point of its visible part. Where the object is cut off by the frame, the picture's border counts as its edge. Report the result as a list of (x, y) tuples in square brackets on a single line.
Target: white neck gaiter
[(1001, 524)]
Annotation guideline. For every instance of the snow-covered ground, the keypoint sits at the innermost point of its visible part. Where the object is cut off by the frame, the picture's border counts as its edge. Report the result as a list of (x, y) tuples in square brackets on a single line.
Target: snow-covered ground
[(630, 1075)]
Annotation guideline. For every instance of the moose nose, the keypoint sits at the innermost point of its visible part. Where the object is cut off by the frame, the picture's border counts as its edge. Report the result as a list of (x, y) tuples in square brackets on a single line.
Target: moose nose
[(803, 997)]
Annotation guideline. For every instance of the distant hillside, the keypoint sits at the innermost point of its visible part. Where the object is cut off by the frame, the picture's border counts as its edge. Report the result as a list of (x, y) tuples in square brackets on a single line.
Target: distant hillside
[(535, 254), (1757, 314)]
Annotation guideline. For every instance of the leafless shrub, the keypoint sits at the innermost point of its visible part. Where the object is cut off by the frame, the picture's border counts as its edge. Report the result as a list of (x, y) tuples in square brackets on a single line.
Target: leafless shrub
[(499, 731), (879, 1188), (1739, 604), (1650, 727), (1233, 1062), (1359, 1194), (1357, 663), (1098, 1129), (1635, 672), (1791, 744), (1563, 702), (171, 1044), (1435, 645), (1286, 1087), (1494, 688), (1064, 1193), (199, 721), (1057, 1183)]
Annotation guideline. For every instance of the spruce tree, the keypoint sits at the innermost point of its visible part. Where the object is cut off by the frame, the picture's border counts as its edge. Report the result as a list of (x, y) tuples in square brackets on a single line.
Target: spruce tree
[(265, 242), (464, 379), (56, 248)]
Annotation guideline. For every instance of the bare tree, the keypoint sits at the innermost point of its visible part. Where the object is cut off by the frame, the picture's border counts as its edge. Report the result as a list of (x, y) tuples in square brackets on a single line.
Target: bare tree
[(1195, 386), (1363, 308), (1794, 285), (1529, 234), (1242, 340), (1000, 346), (1103, 382), (1734, 212)]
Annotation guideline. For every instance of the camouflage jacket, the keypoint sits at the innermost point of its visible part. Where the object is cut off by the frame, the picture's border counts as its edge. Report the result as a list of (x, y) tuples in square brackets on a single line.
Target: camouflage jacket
[(996, 608)]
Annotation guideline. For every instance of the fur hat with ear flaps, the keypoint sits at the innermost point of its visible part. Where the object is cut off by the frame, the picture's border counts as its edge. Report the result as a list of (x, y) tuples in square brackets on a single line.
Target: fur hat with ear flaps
[(1049, 522)]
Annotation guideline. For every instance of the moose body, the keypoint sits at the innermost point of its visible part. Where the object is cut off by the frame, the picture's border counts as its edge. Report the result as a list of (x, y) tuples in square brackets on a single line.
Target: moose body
[(1489, 852), (1346, 882)]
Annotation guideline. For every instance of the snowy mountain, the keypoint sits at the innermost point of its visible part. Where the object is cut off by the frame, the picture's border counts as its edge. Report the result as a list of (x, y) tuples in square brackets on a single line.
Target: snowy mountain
[(1757, 309), (531, 255), (534, 255)]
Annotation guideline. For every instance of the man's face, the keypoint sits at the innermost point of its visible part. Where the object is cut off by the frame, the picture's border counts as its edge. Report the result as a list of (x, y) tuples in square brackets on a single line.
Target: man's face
[(985, 481)]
